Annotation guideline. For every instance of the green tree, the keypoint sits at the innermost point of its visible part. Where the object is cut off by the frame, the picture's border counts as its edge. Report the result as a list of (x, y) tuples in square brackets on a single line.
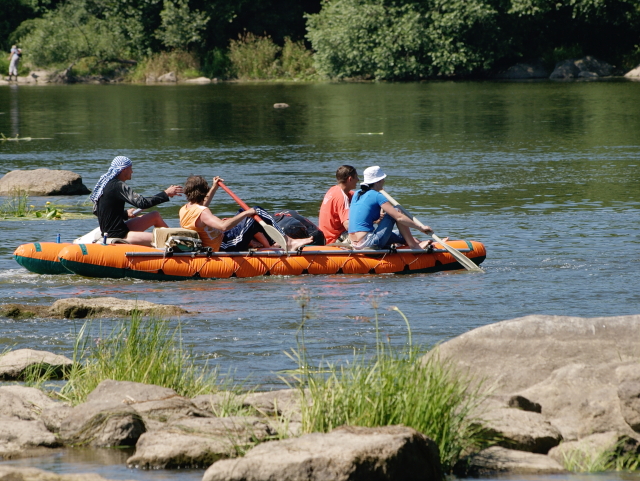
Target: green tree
[(394, 40), (181, 26), (70, 33)]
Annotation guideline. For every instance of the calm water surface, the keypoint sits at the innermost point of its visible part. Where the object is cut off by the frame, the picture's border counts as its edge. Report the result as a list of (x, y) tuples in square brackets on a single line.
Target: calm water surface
[(545, 174)]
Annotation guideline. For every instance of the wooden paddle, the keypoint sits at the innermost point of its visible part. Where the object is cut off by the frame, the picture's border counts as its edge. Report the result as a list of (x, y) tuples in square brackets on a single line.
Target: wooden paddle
[(459, 256), (95, 234), (269, 229)]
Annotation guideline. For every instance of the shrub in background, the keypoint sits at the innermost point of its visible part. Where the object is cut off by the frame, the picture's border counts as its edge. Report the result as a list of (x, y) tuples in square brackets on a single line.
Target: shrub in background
[(297, 60), (254, 57), (184, 64), (216, 64)]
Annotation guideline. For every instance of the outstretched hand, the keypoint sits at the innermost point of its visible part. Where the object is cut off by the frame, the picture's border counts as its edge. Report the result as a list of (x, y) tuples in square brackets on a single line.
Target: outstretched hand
[(174, 190), (216, 179)]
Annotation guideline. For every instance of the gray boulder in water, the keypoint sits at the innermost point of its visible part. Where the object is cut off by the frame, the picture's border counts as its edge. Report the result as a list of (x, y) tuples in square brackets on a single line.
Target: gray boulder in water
[(42, 182)]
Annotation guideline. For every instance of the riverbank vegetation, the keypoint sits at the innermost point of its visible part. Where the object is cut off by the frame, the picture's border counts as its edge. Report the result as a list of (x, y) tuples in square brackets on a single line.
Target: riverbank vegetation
[(336, 39), (18, 206), (138, 350), (394, 385)]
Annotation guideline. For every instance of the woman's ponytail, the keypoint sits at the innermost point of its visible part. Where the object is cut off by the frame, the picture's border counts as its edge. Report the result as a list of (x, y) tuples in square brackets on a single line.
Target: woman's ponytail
[(363, 189)]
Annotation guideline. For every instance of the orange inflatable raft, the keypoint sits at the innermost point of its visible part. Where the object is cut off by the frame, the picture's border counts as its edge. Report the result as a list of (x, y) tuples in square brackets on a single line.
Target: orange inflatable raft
[(125, 260)]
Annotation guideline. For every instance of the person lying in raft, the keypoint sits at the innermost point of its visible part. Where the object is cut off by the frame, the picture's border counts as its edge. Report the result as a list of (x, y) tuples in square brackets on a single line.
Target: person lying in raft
[(236, 234), (109, 197), (365, 210)]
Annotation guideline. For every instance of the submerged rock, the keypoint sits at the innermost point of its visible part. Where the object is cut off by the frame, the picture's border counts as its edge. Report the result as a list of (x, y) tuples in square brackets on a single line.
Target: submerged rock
[(16, 473), (42, 182), (109, 306), (347, 453)]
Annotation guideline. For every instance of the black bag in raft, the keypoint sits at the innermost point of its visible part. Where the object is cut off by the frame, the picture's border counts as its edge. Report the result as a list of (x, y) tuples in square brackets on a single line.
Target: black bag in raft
[(299, 227)]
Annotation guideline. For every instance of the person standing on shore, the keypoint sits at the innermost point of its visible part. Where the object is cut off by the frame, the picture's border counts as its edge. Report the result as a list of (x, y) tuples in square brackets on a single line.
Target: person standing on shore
[(334, 211), (14, 58)]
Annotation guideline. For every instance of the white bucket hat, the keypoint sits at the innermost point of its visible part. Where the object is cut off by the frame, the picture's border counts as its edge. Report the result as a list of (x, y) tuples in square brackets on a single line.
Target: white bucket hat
[(373, 175)]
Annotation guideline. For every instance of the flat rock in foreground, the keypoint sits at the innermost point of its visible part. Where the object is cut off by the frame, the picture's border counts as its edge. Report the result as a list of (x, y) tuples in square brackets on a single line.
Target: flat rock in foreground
[(110, 306), (42, 182), (348, 453), (15, 473), (13, 364)]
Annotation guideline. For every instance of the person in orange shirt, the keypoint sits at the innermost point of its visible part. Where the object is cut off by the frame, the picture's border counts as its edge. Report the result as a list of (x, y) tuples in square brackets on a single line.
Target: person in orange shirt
[(334, 211), (236, 234)]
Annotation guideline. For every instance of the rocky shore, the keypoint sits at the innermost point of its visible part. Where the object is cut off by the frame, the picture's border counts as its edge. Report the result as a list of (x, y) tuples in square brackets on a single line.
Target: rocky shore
[(585, 68), (559, 389)]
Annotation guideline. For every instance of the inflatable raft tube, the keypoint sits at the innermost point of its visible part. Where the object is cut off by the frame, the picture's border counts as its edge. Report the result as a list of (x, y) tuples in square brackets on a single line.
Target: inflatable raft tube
[(41, 257), (124, 260)]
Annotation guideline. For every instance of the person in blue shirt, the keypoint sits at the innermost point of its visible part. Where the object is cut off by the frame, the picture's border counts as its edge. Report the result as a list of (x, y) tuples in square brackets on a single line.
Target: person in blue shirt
[(365, 211)]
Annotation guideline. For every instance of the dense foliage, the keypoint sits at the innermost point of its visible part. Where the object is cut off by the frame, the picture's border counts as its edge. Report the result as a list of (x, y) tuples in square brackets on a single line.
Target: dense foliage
[(381, 39), (407, 39)]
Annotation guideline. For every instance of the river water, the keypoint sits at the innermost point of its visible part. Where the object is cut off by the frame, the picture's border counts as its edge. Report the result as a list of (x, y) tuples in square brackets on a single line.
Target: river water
[(545, 174)]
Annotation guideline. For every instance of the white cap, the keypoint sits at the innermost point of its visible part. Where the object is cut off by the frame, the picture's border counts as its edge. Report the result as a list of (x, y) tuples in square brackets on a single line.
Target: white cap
[(373, 175)]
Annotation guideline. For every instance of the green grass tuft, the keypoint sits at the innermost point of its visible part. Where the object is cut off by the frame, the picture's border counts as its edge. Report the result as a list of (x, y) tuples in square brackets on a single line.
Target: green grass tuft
[(139, 350), (394, 386)]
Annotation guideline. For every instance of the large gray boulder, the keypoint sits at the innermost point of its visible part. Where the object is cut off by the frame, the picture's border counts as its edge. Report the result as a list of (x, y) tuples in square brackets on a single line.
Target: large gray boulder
[(42, 182), (581, 375), (586, 67), (13, 364), (516, 354), (347, 453), (197, 442), (17, 473), (497, 459), (19, 437), (25, 403)]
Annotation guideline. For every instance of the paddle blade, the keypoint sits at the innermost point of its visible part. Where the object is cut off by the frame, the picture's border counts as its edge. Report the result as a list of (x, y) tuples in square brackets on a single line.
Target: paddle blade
[(275, 234), (459, 256)]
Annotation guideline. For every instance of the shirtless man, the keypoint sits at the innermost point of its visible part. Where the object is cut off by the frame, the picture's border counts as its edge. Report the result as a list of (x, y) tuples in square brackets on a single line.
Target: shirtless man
[(334, 211), (109, 197)]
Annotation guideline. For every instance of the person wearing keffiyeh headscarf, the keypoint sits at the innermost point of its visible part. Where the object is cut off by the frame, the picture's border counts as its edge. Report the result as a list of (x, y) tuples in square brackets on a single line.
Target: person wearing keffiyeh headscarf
[(109, 197)]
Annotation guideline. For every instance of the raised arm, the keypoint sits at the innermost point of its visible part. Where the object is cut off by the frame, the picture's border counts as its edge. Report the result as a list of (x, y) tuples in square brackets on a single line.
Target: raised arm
[(223, 225)]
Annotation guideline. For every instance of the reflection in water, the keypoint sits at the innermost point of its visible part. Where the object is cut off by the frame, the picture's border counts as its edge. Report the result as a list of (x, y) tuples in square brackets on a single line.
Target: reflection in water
[(14, 110)]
